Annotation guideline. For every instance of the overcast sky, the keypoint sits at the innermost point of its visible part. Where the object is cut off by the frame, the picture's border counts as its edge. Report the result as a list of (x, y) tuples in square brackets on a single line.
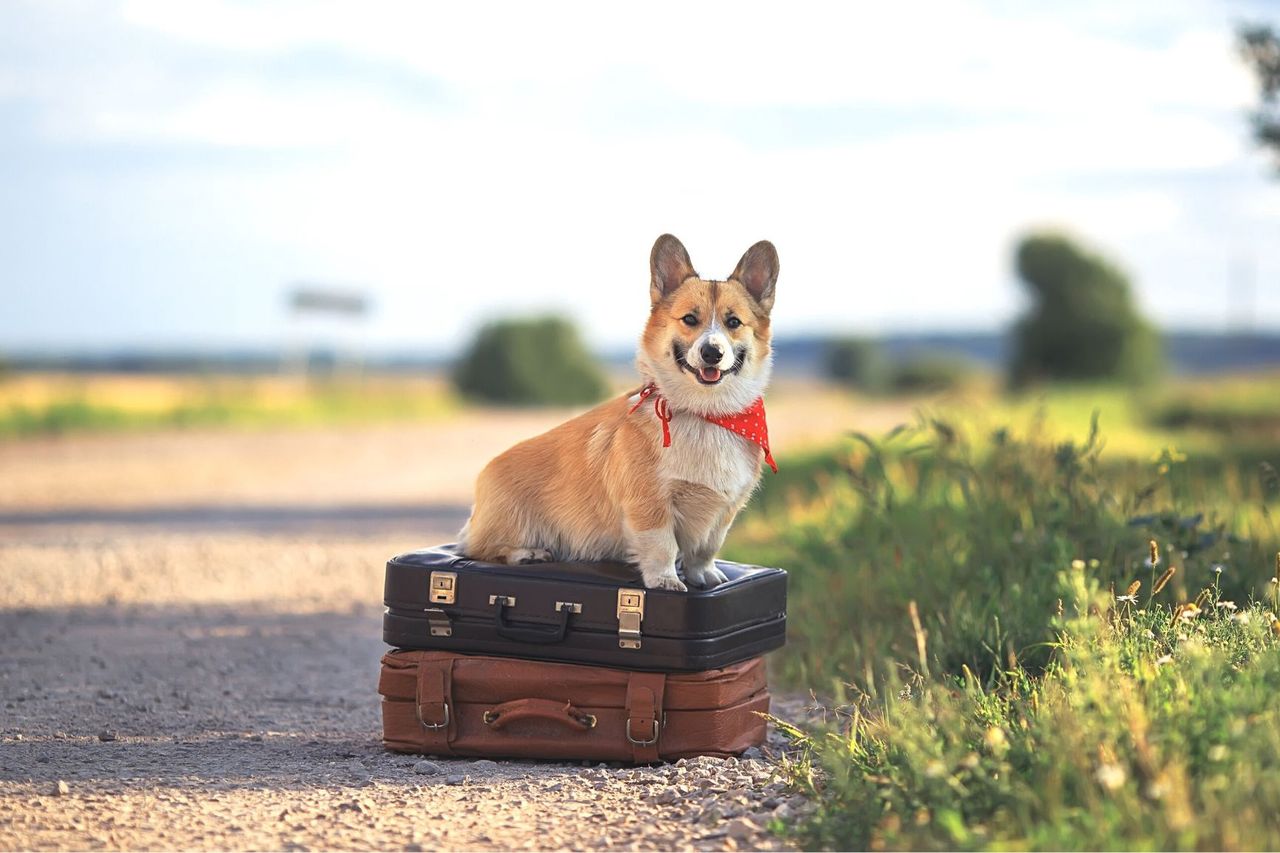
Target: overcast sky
[(168, 169)]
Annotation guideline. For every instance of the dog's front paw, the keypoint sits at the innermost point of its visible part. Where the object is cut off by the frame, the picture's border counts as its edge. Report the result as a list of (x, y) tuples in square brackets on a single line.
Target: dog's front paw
[(666, 580), (525, 556), (704, 576)]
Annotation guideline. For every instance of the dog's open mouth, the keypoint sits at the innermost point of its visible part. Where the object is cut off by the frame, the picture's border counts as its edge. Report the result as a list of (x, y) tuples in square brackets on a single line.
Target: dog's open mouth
[(706, 375)]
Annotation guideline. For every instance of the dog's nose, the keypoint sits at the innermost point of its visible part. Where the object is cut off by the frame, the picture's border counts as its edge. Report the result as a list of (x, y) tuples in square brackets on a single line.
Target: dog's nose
[(711, 354)]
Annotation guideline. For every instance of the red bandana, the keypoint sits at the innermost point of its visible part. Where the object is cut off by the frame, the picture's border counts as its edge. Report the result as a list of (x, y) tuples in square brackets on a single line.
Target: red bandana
[(750, 423)]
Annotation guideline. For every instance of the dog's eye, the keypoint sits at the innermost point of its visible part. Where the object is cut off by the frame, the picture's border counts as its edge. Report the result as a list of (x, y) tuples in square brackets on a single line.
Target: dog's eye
[(733, 322), (689, 320)]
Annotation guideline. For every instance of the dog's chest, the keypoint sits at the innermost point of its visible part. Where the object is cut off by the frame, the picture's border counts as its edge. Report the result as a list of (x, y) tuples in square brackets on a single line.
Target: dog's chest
[(709, 455)]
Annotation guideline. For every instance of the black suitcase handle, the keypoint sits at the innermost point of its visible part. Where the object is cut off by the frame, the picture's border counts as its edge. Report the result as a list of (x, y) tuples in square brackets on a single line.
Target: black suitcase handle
[(546, 634)]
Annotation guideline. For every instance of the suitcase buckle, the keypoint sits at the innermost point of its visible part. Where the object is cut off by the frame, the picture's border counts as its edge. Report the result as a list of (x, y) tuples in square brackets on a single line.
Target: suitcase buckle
[(650, 742), (630, 615), (427, 725)]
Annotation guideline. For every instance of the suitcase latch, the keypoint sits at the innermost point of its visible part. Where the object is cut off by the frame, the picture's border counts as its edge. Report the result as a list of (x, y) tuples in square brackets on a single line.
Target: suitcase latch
[(439, 622), (444, 587), (630, 615)]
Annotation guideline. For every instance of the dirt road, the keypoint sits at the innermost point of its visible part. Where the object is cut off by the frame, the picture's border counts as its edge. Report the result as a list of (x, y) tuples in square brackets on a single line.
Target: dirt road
[(189, 637)]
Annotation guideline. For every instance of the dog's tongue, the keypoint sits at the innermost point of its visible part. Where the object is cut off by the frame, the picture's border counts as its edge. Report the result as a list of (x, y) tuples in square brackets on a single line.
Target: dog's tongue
[(709, 374)]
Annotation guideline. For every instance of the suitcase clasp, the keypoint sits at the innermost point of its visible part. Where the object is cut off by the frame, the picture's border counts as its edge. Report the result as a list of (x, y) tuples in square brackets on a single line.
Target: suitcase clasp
[(439, 623), (444, 587), (630, 615)]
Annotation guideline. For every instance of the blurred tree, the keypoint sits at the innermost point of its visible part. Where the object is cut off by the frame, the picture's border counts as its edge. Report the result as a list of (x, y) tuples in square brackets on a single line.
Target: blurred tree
[(535, 361), (856, 362), (1083, 323), (1260, 46)]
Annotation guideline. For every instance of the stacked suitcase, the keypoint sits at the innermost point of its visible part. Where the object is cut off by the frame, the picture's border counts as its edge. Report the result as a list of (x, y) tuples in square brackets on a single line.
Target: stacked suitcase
[(573, 660)]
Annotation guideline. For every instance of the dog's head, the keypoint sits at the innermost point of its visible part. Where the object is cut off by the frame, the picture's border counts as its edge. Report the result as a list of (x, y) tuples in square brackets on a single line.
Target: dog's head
[(707, 342)]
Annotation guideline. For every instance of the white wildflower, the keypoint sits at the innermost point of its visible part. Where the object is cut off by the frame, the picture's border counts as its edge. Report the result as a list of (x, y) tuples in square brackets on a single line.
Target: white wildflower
[(1110, 776), (1227, 605)]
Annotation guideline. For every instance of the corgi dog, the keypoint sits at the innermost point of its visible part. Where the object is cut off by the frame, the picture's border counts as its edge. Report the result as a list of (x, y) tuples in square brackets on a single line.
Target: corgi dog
[(657, 476)]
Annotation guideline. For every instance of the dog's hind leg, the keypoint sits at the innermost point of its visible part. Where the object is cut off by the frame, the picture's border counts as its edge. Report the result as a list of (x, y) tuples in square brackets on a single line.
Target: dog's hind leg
[(494, 544)]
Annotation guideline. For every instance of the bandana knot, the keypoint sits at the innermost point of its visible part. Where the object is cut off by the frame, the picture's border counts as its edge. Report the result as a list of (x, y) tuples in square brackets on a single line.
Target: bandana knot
[(749, 423)]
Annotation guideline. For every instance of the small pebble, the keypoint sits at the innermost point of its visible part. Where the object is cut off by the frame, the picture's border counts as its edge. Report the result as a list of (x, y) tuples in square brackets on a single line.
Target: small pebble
[(427, 768), (484, 764), (106, 735), (62, 788), (455, 779)]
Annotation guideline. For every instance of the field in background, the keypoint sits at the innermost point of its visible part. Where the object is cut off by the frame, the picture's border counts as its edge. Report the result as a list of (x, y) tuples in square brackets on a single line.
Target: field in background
[(53, 403), (1194, 413)]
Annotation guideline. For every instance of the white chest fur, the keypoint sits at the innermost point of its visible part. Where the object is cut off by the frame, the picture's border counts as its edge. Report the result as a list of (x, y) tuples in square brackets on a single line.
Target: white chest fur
[(709, 455)]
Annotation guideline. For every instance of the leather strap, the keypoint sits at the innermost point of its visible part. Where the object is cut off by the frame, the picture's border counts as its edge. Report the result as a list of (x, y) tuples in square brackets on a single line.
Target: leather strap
[(644, 714), (435, 709), (500, 716)]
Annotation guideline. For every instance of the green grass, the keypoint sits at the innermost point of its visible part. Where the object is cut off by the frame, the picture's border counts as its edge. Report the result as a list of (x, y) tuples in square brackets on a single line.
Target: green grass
[(954, 593), (1145, 732)]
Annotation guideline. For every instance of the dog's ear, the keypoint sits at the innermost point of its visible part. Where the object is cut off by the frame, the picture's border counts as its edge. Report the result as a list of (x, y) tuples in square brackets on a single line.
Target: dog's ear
[(758, 272), (669, 266)]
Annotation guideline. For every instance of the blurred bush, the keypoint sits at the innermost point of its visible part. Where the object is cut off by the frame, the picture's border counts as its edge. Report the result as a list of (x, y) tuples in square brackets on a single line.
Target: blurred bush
[(533, 361), (1083, 323), (930, 372), (856, 362)]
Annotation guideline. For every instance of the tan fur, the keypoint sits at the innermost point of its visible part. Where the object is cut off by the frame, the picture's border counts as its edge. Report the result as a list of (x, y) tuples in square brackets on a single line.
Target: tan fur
[(602, 486)]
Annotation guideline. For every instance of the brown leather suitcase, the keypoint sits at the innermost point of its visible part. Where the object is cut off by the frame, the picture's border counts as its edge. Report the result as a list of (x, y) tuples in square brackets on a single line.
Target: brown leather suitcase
[(441, 703)]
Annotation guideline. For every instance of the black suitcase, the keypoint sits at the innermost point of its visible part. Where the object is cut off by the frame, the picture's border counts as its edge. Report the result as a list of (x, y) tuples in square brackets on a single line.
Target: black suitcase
[(590, 613)]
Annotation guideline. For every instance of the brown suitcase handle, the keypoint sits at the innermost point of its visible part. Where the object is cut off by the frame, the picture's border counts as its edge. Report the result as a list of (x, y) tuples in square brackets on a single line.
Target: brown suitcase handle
[(500, 716)]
